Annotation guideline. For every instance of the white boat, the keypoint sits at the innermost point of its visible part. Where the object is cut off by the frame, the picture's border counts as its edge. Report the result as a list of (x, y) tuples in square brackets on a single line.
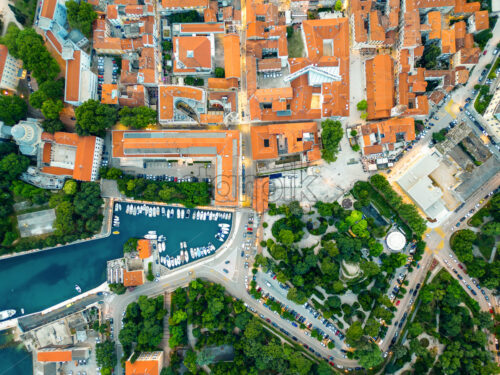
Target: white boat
[(168, 262), (6, 314), (157, 211), (224, 225), (78, 289), (163, 245), (187, 256), (185, 245), (188, 213), (182, 214)]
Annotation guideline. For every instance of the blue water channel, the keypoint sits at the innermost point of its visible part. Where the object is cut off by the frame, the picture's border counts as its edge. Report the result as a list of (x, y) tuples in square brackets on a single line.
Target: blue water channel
[(39, 280)]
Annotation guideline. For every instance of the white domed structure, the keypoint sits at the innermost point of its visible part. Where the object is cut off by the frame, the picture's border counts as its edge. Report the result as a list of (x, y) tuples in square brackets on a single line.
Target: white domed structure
[(395, 241)]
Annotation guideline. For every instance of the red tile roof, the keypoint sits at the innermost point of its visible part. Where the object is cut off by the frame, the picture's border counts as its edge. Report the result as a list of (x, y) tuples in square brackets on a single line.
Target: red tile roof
[(482, 20), (53, 40), (183, 4), (261, 195), (72, 88), (168, 93), (193, 52), (54, 355), (232, 56), (48, 8), (144, 248), (379, 86), (132, 278)]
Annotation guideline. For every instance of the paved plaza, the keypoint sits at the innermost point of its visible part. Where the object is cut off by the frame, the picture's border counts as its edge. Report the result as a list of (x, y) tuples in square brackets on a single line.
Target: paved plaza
[(36, 223)]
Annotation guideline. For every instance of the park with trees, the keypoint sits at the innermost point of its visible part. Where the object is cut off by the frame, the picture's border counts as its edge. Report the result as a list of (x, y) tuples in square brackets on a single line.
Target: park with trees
[(221, 323), (463, 243), (452, 321), (143, 327)]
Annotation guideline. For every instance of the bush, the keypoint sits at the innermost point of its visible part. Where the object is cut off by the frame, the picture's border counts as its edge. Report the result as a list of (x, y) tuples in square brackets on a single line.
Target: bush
[(117, 288), (265, 225)]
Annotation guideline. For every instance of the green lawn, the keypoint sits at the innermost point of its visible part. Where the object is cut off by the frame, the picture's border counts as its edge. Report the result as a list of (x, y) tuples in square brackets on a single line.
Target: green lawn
[(295, 45)]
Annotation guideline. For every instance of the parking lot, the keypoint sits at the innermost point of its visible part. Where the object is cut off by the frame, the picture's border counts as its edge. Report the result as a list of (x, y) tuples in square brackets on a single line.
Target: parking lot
[(107, 71), (305, 314)]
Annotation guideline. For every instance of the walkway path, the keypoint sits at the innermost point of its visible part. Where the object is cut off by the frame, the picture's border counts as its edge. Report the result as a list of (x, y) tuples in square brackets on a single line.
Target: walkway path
[(7, 16)]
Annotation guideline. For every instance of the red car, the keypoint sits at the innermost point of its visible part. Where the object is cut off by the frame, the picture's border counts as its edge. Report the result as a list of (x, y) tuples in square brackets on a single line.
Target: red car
[(397, 303), (484, 53), (274, 278)]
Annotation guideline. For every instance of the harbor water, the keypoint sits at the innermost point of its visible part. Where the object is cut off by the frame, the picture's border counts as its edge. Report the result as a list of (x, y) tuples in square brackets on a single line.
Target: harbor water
[(36, 281)]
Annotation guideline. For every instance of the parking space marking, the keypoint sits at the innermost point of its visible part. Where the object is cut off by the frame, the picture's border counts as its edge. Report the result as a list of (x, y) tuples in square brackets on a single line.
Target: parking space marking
[(448, 109), (440, 232)]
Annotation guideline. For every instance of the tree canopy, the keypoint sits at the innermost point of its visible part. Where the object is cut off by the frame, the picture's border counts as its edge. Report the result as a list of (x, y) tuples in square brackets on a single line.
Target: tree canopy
[(12, 109), (94, 118), (81, 15), (29, 46), (138, 117), (331, 135)]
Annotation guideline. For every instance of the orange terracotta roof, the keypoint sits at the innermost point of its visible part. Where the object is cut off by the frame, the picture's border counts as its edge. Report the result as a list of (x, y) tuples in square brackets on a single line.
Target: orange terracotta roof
[(224, 143), (370, 150), (134, 9), (462, 6), (110, 93), (434, 19), (434, 3), (265, 139), (209, 15), (207, 118), (482, 20), (54, 356), (360, 32), (182, 4), (192, 52), (125, 2), (57, 171), (379, 86), (144, 249), (142, 368), (377, 32), (227, 13), (48, 8), (222, 83), (462, 76), (202, 28), (448, 44), (72, 87), (232, 55), (419, 51), (272, 94), (54, 41), (260, 201), (269, 65), (460, 29), (47, 148), (394, 6), (411, 36), (84, 158), (3, 57), (404, 60), (112, 12), (132, 278), (167, 95)]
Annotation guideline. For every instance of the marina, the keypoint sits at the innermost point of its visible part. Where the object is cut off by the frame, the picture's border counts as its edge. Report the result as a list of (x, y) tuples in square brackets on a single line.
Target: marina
[(36, 281), (187, 251)]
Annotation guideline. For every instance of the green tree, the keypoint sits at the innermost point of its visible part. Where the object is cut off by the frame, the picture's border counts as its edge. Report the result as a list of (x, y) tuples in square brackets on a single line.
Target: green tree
[(52, 126), (371, 327), (92, 117), (12, 109), (286, 237), (220, 72), (438, 137), (12, 165), (363, 104), (331, 135), (354, 333), (29, 46), (338, 7), (179, 316), (138, 117), (491, 228), (370, 357), (81, 16), (52, 108), (117, 288), (415, 329), (106, 356), (70, 187)]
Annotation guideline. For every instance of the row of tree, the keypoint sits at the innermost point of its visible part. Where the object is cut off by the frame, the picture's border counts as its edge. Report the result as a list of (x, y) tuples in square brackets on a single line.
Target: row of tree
[(187, 193), (407, 212), (94, 118)]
